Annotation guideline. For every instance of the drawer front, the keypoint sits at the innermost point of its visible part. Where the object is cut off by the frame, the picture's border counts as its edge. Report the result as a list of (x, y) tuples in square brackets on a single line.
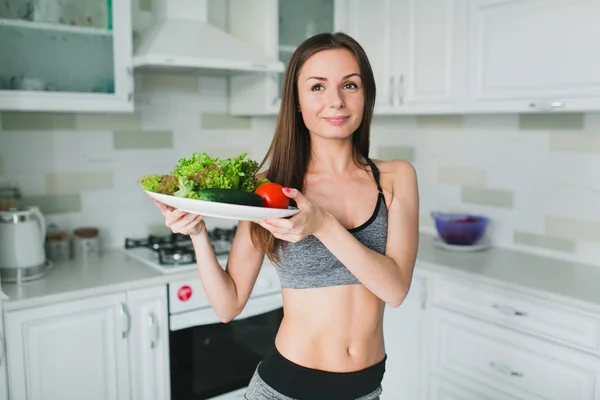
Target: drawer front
[(517, 364), (516, 311), (448, 389)]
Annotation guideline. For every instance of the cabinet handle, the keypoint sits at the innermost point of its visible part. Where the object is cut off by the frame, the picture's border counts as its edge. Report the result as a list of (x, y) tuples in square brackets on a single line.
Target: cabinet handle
[(547, 107), (125, 313), (503, 369), (507, 310), (392, 91), (154, 333), (401, 89)]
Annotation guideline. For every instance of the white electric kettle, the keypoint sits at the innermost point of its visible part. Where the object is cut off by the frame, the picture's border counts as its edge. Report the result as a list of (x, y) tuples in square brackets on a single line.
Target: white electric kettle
[(22, 237)]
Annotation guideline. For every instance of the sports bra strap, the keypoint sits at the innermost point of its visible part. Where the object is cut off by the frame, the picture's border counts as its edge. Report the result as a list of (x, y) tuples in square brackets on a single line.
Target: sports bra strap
[(375, 172)]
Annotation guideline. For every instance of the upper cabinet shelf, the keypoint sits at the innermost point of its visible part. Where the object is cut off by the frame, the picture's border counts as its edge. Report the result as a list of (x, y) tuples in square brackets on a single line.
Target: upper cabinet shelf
[(74, 58)]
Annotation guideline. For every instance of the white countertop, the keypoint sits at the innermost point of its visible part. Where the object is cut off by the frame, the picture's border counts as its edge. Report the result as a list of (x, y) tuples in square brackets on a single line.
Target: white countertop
[(116, 271), (113, 271)]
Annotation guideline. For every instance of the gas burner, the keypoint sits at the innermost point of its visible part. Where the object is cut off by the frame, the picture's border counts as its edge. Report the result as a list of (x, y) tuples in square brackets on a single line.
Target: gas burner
[(176, 249)]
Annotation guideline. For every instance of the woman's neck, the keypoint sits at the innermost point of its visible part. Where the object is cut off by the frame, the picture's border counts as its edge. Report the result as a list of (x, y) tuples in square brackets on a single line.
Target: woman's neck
[(331, 156)]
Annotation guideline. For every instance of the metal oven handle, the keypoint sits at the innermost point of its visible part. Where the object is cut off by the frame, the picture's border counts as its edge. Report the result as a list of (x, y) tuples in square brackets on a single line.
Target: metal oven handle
[(206, 316)]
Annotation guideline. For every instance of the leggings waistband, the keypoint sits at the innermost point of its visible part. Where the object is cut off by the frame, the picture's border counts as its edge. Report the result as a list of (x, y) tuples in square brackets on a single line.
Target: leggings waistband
[(296, 381)]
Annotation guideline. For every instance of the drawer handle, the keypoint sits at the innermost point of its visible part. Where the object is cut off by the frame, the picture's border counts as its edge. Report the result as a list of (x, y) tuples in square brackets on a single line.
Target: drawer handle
[(503, 369), (507, 310)]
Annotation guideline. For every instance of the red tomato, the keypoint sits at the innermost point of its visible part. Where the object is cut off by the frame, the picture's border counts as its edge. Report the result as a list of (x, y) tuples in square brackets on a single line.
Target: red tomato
[(272, 195)]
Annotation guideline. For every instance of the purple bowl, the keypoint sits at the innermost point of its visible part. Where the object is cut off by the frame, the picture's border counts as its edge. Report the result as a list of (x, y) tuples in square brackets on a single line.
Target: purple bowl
[(459, 228)]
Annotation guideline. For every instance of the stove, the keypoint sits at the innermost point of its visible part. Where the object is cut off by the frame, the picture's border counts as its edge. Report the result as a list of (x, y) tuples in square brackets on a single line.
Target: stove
[(174, 252)]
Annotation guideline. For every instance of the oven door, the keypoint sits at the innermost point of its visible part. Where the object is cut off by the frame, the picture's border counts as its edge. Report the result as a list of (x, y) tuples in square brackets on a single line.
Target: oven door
[(210, 359)]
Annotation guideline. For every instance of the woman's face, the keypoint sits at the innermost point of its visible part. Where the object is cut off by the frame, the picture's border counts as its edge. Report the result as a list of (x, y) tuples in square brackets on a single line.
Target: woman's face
[(331, 94)]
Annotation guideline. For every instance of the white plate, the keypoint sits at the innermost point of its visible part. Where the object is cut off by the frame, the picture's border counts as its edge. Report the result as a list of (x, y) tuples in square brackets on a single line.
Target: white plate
[(222, 210), (483, 244)]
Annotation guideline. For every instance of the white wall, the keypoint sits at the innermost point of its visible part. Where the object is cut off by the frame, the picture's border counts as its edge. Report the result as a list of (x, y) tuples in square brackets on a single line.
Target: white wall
[(536, 176)]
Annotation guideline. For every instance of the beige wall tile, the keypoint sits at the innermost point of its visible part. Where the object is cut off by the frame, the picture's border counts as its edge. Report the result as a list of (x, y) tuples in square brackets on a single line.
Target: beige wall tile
[(467, 176), (54, 204), (108, 121), (544, 241), (124, 140), (156, 82), (488, 197), (77, 182), (228, 152), (439, 122), (145, 5), (37, 121), (575, 141), (396, 153), (224, 121), (571, 228), (574, 121)]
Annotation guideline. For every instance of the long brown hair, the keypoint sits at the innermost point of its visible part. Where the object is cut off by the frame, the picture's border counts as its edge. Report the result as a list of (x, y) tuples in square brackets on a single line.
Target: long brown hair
[(289, 153)]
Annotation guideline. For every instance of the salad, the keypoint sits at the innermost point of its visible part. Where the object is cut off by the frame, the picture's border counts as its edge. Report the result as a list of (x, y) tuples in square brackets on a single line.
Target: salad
[(230, 180)]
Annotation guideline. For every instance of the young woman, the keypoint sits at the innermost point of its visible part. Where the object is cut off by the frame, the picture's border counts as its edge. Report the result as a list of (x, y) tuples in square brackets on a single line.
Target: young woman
[(349, 251)]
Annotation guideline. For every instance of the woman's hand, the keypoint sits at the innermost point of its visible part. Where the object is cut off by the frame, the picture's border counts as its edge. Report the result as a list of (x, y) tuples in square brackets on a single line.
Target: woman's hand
[(311, 220), (180, 221)]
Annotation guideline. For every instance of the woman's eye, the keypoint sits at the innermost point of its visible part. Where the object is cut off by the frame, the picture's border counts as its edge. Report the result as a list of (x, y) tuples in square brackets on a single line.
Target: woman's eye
[(350, 85), (317, 87)]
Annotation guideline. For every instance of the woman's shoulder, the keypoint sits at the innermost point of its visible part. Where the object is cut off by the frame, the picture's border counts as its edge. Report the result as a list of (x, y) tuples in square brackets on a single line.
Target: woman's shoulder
[(396, 175)]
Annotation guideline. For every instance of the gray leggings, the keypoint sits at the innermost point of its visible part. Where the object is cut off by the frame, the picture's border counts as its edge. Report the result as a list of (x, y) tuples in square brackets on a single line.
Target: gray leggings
[(259, 390)]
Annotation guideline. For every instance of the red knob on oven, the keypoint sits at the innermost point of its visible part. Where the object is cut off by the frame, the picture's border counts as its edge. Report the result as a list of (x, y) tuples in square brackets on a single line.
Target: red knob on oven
[(184, 293)]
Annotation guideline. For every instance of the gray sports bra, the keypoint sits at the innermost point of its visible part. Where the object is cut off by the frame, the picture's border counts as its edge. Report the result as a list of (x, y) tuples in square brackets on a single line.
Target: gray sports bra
[(309, 264)]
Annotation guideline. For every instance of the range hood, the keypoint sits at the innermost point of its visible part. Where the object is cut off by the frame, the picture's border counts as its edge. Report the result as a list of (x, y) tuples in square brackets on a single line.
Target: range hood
[(181, 38)]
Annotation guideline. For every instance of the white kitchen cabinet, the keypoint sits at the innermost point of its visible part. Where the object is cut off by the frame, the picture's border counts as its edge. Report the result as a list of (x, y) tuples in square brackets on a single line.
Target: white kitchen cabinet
[(69, 59), (416, 50), (149, 344), (374, 25), (533, 55), (491, 342), (73, 350), (404, 328), (430, 45), (276, 28), (110, 347)]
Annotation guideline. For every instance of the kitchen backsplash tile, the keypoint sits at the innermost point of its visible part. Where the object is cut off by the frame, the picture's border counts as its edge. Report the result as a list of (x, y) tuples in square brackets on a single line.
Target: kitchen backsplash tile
[(440, 121), (467, 176), (487, 197), (157, 82), (68, 183), (534, 176), (29, 121), (573, 121), (396, 153), (124, 140), (108, 121), (224, 121), (582, 142), (573, 228), (544, 241), (54, 204)]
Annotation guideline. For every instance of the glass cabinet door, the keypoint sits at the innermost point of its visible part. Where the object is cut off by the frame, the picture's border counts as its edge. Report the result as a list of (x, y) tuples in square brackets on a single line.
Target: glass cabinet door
[(298, 20), (59, 47)]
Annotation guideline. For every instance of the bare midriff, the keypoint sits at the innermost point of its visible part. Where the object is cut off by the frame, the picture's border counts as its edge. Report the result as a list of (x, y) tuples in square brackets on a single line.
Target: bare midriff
[(336, 329)]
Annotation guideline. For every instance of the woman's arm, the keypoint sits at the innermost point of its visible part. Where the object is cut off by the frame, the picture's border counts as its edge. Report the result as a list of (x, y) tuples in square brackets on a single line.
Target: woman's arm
[(228, 289), (388, 276)]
